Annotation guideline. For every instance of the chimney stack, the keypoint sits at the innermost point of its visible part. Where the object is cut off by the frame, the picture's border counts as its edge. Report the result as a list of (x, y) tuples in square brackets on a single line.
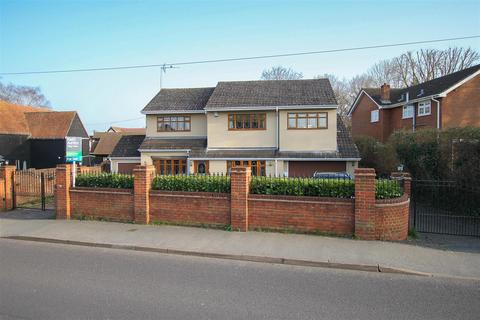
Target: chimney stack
[(385, 92)]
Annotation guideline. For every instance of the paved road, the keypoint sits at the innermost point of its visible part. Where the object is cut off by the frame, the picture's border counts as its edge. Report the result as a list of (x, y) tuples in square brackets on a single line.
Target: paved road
[(52, 281)]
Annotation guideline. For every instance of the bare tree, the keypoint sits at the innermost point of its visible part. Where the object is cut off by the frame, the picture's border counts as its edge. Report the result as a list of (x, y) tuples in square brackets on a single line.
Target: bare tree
[(411, 68), (23, 95), (281, 73)]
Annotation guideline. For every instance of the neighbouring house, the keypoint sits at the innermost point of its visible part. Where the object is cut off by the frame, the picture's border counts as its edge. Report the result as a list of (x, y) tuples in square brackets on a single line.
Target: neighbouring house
[(125, 156), (37, 137), (126, 130), (281, 128), (103, 143), (445, 102)]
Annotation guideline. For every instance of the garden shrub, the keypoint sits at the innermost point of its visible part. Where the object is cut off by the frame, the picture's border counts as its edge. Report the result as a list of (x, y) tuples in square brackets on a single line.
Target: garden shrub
[(192, 183), (303, 187), (387, 189), (104, 180)]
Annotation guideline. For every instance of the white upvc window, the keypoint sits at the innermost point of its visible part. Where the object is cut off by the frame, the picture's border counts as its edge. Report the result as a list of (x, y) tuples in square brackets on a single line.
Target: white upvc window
[(374, 115), (408, 111), (424, 108)]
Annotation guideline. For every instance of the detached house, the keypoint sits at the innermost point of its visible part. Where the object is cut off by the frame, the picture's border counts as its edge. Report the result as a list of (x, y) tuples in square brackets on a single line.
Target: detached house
[(445, 102), (283, 128)]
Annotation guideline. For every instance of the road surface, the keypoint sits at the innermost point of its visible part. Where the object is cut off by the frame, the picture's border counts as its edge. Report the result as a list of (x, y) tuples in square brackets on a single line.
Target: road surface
[(53, 281)]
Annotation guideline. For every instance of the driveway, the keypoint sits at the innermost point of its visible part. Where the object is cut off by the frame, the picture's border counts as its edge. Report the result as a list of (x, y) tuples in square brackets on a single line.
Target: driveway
[(28, 214)]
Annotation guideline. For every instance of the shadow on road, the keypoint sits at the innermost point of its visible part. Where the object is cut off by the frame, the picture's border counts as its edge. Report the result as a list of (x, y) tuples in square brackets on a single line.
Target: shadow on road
[(446, 242), (28, 214)]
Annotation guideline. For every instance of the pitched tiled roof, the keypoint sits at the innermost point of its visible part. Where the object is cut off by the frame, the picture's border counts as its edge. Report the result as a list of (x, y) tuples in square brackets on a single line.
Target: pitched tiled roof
[(128, 146), (12, 118), (106, 143), (49, 125), (138, 131), (269, 93), (175, 143), (180, 99), (429, 88)]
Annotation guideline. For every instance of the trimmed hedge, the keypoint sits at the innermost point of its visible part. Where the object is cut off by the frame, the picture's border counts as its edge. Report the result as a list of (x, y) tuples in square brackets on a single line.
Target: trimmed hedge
[(192, 183), (104, 180), (384, 189), (303, 187)]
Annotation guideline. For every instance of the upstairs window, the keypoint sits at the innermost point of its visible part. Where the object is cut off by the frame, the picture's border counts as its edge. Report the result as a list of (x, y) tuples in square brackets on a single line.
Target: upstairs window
[(173, 123), (407, 111), (247, 121), (424, 108), (374, 116), (310, 120)]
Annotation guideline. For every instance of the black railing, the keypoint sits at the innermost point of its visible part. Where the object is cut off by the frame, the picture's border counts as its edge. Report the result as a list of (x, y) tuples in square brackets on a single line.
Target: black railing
[(445, 206)]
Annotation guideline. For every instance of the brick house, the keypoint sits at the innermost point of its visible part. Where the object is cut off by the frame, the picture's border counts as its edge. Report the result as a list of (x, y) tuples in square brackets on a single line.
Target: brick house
[(282, 128), (445, 102)]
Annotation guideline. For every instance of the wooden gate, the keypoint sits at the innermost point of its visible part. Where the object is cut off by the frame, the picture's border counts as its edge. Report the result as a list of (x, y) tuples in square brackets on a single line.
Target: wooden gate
[(34, 189)]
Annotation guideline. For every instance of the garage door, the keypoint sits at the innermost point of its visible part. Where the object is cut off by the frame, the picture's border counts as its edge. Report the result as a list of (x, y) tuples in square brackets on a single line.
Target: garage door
[(126, 168), (307, 168)]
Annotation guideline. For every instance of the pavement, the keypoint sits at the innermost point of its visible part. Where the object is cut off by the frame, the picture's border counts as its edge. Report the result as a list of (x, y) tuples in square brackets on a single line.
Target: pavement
[(292, 249), (56, 281)]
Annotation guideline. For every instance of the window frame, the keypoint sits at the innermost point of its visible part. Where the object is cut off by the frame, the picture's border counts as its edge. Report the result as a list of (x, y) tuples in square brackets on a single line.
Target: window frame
[(187, 119), (247, 117), (169, 166), (307, 117), (422, 105), (377, 112), (413, 111), (255, 165)]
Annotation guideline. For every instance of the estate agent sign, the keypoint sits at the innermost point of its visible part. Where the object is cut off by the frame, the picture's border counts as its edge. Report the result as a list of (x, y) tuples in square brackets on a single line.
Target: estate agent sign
[(74, 149)]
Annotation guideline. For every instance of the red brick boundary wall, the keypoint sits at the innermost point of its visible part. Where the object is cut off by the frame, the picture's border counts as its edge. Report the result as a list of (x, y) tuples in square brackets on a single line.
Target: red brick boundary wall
[(7, 177), (363, 216)]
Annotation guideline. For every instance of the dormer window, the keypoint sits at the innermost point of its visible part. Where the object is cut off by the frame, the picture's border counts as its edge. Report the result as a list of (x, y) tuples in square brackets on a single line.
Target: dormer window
[(424, 108)]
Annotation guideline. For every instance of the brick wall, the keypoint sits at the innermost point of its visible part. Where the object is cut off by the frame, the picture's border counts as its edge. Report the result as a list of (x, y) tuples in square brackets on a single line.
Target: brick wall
[(190, 208), (363, 216), (391, 221), (105, 203), (304, 214), (460, 107)]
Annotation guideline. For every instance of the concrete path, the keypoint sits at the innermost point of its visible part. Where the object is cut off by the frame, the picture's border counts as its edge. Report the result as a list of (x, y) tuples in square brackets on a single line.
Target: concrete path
[(256, 246)]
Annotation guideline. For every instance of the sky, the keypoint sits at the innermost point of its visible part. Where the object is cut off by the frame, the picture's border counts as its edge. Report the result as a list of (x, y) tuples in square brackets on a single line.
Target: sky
[(46, 35)]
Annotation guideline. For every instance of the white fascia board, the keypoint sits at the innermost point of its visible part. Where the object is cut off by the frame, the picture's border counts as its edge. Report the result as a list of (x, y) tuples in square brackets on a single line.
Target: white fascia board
[(164, 150), (125, 158), (293, 107), (271, 159), (354, 105), (458, 84), (173, 112)]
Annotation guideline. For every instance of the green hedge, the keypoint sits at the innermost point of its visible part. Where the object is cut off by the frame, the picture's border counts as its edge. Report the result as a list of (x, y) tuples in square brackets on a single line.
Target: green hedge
[(303, 187), (104, 180), (384, 189), (387, 189), (192, 183)]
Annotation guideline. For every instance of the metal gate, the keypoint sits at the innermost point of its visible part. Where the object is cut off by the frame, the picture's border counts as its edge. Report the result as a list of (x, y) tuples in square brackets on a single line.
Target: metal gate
[(447, 207), (34, 189)]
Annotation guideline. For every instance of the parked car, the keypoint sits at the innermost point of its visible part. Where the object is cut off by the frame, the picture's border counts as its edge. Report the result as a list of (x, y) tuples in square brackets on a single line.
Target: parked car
[(332, 175)]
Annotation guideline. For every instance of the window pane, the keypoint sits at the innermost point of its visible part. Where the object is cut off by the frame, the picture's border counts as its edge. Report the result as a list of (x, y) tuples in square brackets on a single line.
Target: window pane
[(322, 122), (231, 124), (180, 118), (312, 115), (173, 126), (292, 115), (187, 126), (302, 115), (246, 121), (302, 122), (166, 119), (292, 123), (312, 122), (181, 126)]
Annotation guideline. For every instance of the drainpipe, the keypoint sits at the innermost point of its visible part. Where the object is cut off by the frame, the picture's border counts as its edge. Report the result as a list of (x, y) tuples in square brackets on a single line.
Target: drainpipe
[(438, 112), (414, 118), (278, 139), (188, 162)]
